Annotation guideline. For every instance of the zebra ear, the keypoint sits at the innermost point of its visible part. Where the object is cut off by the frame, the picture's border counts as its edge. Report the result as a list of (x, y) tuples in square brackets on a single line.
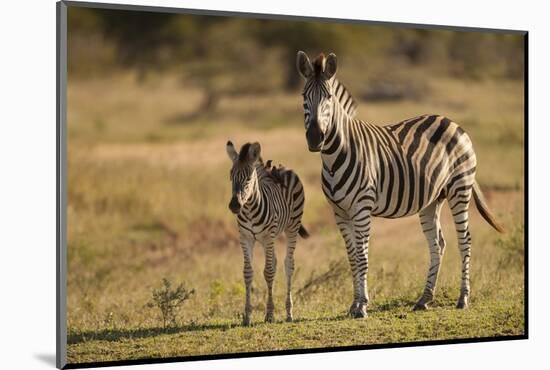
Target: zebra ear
[(330, 66), (231, 152), (254, 152), (304, 65)]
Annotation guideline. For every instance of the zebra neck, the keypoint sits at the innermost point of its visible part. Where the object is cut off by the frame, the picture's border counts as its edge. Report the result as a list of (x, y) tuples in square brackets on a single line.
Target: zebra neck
[(343, 112), (344, 99), (255, 199), (337, 138)]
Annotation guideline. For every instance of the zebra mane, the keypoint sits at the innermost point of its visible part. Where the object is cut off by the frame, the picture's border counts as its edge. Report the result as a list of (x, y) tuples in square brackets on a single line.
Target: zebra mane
[(266, 170), (347, 102), (345, 98), (244, 152), (261, 168), (319, 64)]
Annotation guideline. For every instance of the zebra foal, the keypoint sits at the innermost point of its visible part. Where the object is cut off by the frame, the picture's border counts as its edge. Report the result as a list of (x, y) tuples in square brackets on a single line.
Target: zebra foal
[(267, 202), (390, 171)]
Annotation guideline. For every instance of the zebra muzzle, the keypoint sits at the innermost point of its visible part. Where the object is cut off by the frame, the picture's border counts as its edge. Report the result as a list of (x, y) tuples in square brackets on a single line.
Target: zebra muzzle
[(314, 138), (234, 205)]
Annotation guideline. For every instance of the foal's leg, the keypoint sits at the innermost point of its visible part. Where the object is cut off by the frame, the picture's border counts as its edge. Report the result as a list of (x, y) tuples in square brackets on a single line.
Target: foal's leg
[(247, 247), (269, 275), (289, 270), (429, 220)]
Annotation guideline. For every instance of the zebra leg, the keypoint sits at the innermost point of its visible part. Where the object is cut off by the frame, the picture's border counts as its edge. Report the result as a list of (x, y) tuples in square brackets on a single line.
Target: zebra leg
[(247, 247), (289, 270), (269, 275), (346, 230), (429, 220), (362, 234), (459, 207)]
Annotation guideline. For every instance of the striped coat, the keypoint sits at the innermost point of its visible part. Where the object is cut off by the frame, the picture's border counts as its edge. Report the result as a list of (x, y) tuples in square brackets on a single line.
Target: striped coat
[(267, 202), (391, 171)]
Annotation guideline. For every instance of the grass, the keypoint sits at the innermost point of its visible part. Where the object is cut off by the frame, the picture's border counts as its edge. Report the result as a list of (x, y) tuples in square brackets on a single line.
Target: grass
[(148, 191), (397, 324)]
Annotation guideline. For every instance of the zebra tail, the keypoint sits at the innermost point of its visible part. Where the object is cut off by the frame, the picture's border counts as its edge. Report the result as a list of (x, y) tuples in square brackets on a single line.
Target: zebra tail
[(483, 209), (303, 232)]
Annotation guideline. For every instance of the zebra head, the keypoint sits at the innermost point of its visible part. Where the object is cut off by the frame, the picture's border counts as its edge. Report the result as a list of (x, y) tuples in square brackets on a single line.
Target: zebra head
[(318, 96), (243, 173)]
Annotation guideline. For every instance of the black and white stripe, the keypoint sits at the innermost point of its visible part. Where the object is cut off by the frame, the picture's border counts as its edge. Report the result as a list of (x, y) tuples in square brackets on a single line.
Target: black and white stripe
[(267, 201), (392, 171)]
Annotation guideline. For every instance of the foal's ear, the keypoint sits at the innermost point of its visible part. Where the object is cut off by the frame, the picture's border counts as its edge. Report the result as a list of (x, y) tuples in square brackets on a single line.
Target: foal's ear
[(330, 66), (304, 65), (231, 152), (254, 152)]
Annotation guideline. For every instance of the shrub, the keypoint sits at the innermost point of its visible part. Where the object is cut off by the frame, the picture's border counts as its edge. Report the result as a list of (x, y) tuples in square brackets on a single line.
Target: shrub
[(169, 301)]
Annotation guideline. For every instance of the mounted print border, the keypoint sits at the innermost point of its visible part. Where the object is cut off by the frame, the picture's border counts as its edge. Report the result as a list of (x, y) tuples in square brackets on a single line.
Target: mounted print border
[(63, 198)]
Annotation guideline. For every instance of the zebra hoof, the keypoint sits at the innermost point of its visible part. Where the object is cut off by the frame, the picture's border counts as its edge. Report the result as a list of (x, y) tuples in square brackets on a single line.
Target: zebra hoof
[(360, 313), (289, 319), (462, 303), (269, 317), (420, 306), (246, 321)]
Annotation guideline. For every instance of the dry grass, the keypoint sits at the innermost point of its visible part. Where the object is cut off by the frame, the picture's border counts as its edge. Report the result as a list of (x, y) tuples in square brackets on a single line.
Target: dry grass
[(148, 193)]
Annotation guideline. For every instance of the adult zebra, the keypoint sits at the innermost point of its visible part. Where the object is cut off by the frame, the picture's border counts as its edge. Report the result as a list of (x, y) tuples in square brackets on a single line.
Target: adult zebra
[(391, 171), (267, 201)]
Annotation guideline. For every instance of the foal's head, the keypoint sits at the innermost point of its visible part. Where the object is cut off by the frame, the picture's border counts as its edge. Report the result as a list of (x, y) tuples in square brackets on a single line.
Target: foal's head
[(243, 173)]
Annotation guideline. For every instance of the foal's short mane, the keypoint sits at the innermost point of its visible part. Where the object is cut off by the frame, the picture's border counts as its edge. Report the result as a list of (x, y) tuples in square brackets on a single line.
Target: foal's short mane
[(244, 152)]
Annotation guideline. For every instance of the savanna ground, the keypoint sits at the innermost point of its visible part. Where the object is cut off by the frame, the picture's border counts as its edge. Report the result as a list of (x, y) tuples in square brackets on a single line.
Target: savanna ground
[(148, 188)]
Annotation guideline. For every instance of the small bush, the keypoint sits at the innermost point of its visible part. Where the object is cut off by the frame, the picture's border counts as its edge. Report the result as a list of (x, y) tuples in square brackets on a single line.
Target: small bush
[(169, 301)]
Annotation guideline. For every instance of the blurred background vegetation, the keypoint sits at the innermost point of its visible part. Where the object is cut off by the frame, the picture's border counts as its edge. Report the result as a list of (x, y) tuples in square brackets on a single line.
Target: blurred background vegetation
[(215, 53), (152, 100)]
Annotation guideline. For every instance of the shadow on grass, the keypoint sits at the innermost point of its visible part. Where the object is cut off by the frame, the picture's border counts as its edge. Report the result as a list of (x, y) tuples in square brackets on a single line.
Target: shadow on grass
[(398, 305), (114, 335), (394, 304), (338, 317)]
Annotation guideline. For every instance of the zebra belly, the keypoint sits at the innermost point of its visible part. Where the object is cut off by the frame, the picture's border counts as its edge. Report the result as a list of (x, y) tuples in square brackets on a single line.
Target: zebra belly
[(346, 206), (379, 210), (419, 190), (427, 158), (274, 224), (401, 199)]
